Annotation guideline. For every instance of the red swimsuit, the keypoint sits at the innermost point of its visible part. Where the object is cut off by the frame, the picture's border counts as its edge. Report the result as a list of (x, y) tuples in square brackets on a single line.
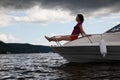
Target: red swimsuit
[(76, 31)]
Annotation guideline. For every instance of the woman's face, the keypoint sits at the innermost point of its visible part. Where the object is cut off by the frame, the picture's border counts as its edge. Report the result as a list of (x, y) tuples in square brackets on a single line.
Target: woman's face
[(77, 18)]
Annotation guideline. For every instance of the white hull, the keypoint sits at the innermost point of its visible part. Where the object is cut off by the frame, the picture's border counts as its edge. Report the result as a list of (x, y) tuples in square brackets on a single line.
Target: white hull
[(88, 53)]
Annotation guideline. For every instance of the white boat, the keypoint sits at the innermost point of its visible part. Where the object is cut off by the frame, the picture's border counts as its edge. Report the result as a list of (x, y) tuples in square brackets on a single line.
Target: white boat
[(96, 48)]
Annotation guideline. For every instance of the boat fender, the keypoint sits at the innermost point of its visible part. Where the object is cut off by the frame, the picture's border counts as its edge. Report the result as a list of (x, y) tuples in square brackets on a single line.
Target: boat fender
[(103, 48)]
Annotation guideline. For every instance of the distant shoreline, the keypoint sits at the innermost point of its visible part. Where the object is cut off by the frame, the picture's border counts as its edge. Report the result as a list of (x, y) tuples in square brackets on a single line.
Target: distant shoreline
[(15, 48)]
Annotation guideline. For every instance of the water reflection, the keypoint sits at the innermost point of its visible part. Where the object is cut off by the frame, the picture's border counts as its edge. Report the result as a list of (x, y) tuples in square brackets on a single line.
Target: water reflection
[(93, 71)]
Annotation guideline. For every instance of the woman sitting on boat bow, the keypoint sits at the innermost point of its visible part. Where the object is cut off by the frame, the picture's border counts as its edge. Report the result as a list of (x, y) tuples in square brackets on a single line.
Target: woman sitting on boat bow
[(78, 29)]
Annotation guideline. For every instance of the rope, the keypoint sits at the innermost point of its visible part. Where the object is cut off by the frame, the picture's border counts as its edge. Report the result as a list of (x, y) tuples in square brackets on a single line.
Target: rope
[(90, 40)]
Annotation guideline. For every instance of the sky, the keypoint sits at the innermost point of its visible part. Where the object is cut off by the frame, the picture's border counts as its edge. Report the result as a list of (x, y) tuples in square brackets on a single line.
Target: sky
[(28, 21)]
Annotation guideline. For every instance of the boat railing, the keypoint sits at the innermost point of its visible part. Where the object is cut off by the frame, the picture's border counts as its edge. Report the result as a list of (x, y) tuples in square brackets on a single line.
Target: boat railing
[(101, 35)]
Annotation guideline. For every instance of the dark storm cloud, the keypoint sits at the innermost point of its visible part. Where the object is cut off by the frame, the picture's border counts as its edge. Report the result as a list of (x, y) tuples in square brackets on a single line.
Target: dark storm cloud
[(17, 4), (83, 6), (75, 6)]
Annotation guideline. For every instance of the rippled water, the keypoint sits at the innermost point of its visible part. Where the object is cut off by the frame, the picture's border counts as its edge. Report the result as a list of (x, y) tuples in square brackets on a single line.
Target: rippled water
[(30, 66), (47, 67)]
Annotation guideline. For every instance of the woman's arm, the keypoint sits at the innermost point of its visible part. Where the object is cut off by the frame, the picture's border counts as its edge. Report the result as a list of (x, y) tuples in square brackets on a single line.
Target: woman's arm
[(82, 31)]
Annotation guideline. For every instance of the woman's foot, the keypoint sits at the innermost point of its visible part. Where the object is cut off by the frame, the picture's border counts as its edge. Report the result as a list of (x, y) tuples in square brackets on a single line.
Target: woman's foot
[(49, 39)]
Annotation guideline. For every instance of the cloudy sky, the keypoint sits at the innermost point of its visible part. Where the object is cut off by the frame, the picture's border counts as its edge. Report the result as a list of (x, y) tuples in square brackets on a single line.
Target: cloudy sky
[(27, 21)]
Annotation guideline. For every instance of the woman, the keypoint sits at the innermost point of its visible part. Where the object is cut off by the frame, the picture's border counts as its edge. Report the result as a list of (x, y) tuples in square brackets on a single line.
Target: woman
[(78, 29)]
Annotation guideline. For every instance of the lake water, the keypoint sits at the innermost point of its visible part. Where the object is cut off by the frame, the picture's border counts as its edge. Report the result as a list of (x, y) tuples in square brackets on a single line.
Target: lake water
[(47, 67), (31, 66)]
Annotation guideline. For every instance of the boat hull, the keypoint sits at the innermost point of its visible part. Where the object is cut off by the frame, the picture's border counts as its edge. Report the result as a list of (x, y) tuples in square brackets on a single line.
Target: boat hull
[(84, 54)]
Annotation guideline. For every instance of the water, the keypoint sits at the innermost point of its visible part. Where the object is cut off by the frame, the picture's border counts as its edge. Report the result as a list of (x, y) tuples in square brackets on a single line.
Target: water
[(30, 66), (47, 67)]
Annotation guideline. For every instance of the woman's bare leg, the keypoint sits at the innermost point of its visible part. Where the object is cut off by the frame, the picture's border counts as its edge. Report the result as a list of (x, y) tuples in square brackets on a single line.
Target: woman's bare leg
[(54, 38)]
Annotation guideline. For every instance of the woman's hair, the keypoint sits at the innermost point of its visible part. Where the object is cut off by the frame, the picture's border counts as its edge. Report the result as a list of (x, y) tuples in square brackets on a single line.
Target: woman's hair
[(81, 17)]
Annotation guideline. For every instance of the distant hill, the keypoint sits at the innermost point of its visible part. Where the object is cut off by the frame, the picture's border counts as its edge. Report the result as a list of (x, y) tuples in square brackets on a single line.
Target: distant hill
[(114, 29), (23, 48)]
